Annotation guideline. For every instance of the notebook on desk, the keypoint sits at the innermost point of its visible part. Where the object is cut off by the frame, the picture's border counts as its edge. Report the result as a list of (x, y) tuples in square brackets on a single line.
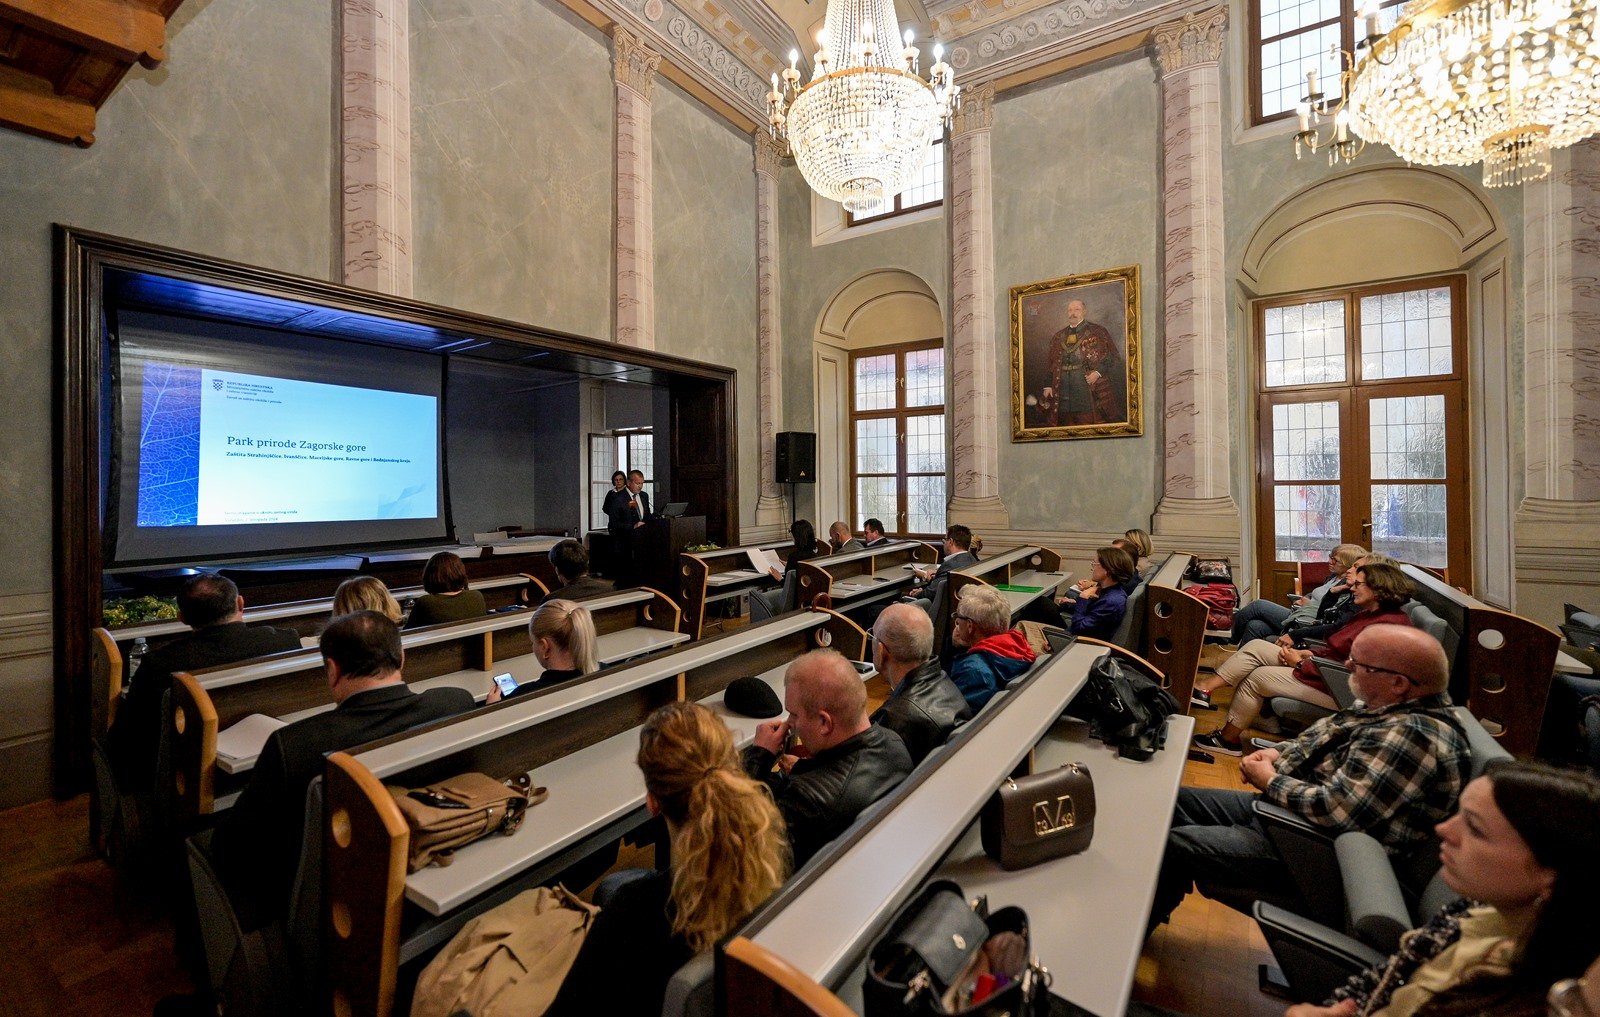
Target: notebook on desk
[(241, 743)]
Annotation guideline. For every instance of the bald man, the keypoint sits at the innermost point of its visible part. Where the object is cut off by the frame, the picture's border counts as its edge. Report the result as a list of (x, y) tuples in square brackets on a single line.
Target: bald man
[(848, 763), (840, 537), (924, 705), (1391, 766)]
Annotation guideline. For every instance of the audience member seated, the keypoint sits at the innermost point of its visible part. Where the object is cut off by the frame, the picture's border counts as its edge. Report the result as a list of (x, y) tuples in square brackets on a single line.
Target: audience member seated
[(1521, 853), (257, 844), (924, 705), (365, 593), (849, 762), (840, 537), (804, 536), (1261, 669), (957, 555), (993, 653), (571, 563), (1264, 619), (1103, 597), (872, 533), (448, 597), (1058, 613), (563, 644), (1391, 767), (211, 606), (729, 854), (1142, 548)]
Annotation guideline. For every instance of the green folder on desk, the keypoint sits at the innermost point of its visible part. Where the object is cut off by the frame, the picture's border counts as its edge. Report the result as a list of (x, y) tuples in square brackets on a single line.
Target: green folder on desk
[(1008, 588)]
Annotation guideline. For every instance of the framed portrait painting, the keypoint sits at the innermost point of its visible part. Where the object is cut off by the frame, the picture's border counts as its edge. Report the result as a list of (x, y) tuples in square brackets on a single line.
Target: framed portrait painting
[(1075, 358)]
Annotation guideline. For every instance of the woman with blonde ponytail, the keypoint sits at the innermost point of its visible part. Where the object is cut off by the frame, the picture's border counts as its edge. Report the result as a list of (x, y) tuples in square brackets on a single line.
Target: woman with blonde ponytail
[(729, 853), (563, 644)]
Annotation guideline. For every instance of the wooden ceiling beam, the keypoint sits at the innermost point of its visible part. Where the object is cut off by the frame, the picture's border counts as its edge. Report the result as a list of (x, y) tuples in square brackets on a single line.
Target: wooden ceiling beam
[(124, 30), (30, 105)]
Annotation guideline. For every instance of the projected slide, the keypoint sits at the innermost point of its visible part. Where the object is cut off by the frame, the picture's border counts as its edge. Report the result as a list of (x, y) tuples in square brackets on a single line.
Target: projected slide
[(219, 448)]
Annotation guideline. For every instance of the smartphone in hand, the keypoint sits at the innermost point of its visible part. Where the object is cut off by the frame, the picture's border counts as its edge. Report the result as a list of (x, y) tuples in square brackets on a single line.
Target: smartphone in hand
[(506, 683)]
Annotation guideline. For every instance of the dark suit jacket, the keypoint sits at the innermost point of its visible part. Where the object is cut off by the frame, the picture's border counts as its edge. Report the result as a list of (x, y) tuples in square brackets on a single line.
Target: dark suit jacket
[(941, 575), (136, 735), (257, 846), (582, 588), (620, 517)]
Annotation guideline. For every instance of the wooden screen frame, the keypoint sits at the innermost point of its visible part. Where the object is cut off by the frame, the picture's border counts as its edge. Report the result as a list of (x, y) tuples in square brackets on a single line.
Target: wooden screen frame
[(703, 398)]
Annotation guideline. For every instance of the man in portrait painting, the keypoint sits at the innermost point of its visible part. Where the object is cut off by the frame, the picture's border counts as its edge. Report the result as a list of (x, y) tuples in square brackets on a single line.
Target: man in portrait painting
[(1088, 378)]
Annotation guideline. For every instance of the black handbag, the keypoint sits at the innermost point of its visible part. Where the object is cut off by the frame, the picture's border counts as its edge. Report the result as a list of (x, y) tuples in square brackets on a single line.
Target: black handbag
[(1038, 817), (1125, 708), (944, 956)]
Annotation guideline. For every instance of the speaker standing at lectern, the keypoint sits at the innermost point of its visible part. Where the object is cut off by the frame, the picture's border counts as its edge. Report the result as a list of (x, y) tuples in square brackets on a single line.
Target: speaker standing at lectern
[(626, 517)]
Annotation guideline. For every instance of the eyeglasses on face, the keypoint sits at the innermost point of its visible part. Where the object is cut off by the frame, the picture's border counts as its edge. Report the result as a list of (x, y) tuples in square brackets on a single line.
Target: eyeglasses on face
[(1364, 666), (1358, 582), (962, 617)]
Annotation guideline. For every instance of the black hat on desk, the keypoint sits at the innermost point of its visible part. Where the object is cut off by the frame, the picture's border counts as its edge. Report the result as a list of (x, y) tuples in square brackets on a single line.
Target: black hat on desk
[(751, 697)]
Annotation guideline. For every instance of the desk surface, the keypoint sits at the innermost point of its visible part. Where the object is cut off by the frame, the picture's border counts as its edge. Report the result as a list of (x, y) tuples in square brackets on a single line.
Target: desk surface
[(1567, 664), (1087, 911), (1048, 583)]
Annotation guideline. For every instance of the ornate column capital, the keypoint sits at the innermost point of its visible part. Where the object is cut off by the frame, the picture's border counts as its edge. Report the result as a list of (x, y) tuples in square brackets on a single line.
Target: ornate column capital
[(634, 64), (976, 112), (1195, 38), (769, 153)]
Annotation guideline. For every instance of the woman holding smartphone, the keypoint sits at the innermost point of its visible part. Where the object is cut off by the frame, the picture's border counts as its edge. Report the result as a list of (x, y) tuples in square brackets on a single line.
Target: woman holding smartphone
[(563, 643)]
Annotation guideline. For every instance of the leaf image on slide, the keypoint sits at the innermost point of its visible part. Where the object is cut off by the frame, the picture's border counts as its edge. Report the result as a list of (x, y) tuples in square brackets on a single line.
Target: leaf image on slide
[(391, 509), (169, 446)]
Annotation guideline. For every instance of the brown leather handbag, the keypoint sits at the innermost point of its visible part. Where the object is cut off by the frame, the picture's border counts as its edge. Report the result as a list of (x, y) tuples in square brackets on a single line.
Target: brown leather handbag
[(455, 812), (1042, 816)]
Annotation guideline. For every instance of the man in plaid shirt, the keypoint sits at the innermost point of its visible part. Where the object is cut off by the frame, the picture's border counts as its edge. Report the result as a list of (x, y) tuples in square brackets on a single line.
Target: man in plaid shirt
[(1391, 767)]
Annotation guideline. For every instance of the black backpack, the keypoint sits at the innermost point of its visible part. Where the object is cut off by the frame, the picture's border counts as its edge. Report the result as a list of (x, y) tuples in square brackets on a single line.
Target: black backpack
[(1125, 707)]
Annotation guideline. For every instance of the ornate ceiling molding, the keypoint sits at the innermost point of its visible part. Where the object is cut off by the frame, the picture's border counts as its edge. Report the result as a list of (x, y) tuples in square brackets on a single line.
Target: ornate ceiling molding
[(1061, 30), (674, 32), (1193, 39)]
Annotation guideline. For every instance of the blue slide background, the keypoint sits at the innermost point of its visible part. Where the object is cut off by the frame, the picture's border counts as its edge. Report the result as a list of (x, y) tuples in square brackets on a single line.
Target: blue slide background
[(169, 446), (252, 480)]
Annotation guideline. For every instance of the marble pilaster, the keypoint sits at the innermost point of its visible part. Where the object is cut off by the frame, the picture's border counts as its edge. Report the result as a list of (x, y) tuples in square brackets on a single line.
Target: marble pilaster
[(975, 500), (1557, 526), (771, 509), (375, 140), (634, 65), (1196, 493)]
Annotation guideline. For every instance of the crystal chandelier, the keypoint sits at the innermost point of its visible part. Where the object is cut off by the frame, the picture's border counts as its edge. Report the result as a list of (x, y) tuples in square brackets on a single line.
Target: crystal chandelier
[(1459, 81), (861, 127)]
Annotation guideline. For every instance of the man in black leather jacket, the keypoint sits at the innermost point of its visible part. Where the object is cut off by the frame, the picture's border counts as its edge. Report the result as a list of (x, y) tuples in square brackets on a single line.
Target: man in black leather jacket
[(850, 762), (924, 705)]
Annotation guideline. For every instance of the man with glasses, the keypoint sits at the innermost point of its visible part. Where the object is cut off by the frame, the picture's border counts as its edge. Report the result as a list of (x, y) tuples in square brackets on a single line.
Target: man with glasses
[(995, 653), (1392, 766)]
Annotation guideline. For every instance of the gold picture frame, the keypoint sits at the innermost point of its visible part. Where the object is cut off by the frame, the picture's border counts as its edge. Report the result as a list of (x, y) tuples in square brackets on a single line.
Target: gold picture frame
[(1077, 379)]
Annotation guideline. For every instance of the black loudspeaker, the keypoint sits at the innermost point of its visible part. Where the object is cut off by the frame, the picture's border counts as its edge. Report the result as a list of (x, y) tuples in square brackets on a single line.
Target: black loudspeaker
[(797, 457)]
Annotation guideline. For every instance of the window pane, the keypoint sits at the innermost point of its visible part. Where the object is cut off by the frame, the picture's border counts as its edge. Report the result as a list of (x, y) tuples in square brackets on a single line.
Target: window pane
[(1406, 335), (925, 445), (875, 497), (1306, 521), (1409, 523), (1408, 438), (875, 451), (875, 383), (925, 504), (928, 184), (602, 463), (1305, 441), (925, 377), (1285, 61), (1305, 344)]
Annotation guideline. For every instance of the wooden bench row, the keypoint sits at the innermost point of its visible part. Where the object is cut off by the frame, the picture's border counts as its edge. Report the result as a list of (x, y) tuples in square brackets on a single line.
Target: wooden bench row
[(579, 739), (466, 654)]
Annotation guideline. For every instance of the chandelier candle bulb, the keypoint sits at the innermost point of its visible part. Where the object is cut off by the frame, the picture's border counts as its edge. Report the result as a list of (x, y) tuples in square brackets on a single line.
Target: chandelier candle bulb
[(1370, 13)]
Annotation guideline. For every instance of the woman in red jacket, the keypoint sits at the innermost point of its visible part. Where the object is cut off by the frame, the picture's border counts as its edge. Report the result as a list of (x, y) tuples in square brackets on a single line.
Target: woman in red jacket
[(1263, 669)]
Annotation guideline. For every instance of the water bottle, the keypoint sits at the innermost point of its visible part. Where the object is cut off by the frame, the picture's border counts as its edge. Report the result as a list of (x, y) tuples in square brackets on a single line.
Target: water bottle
[(135, 658)]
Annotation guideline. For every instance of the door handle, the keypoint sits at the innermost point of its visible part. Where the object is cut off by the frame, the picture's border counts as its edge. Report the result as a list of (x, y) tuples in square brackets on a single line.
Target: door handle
[(1366, 531)]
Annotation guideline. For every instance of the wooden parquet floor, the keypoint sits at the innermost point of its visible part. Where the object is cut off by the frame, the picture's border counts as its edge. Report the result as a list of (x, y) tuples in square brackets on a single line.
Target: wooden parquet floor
[(74, 944)]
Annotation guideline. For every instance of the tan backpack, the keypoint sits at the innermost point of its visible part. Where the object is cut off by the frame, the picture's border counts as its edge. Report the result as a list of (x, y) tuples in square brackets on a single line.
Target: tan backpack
[(508, 962)]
